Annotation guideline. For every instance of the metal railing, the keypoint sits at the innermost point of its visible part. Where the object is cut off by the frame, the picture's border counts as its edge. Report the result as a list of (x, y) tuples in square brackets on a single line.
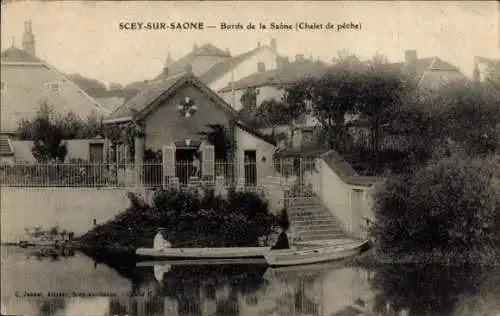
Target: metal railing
[(296, 175), (57, 175)]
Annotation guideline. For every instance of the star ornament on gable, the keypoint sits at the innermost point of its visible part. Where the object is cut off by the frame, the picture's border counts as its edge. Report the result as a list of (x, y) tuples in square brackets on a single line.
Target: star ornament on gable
[(187, 107)]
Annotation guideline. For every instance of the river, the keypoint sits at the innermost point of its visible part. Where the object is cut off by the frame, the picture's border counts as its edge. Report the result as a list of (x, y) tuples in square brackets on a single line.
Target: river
[(78, 285)]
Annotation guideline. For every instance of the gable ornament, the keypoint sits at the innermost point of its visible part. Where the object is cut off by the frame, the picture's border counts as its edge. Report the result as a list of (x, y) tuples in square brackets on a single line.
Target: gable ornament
[(187, 107)]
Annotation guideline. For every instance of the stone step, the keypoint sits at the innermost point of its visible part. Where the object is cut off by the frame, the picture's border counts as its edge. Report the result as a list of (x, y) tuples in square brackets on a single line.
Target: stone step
[(329, 236), (320, 230), (300, 218), (317, 221), (307, 210), (323, 226), (302, 203)]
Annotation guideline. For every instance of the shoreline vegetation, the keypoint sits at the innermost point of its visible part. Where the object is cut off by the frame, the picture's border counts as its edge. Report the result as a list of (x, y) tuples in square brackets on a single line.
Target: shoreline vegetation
[(191, 219)]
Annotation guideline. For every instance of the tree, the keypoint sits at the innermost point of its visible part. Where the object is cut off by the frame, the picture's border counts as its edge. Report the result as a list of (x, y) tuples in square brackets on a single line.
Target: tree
[(447, 208), (221, 139), (272, 113), (47, 137), (113, 86), (466, 116), (381, 95), (249, 99), (329, 98)]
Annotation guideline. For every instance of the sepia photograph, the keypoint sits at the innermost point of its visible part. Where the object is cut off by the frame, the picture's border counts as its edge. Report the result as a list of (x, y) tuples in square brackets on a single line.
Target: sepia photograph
[(250, 158)]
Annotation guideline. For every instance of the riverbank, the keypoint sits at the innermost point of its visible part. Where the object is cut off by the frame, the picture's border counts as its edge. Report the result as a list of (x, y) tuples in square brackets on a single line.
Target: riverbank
[(189, 219), (374, 257)]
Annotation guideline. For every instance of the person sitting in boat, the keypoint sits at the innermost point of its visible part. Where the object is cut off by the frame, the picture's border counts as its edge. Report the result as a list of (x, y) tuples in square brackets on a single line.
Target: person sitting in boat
[(160, 242), (284, 224), (282, 242)]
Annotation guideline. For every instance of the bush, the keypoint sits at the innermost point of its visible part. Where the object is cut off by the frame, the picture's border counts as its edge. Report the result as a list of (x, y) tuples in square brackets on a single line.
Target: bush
[(191, 219), (447, 209)]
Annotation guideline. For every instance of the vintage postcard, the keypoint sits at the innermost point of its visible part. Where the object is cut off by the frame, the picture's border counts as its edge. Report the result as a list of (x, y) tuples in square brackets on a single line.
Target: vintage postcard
[(250, 158)]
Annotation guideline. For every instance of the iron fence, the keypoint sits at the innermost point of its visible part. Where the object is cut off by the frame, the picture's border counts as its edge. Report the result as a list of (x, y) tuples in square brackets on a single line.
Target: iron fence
[(57, 175), (296, 174), (187, 173)]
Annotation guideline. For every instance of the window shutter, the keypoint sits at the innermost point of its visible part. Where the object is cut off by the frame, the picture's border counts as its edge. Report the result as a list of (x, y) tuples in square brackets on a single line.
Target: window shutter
[(208, 156), (168, 161)]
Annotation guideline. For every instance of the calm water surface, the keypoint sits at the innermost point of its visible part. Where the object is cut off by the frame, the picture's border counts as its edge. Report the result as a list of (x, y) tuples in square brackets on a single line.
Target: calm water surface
[(78, 285)]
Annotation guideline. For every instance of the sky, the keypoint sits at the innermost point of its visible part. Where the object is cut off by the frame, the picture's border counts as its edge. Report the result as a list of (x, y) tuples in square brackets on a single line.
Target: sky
[(85, 38)]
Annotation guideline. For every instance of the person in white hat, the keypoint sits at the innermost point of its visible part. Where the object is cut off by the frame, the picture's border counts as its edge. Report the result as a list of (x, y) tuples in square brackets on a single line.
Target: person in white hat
[(160, 242)]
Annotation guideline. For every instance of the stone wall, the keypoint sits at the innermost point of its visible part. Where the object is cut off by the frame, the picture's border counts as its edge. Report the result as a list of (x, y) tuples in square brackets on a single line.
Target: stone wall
[(72, 209)]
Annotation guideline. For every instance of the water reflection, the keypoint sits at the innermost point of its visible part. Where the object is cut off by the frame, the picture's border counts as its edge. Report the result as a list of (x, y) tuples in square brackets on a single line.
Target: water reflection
[(79, 286)]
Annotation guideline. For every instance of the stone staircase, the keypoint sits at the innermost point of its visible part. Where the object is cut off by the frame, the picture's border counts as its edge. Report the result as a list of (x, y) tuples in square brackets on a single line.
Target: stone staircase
[(311, 221), (5, 147)]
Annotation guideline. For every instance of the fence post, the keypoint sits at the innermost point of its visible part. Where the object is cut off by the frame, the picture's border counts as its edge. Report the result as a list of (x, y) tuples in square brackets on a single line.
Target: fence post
[(139, 162)]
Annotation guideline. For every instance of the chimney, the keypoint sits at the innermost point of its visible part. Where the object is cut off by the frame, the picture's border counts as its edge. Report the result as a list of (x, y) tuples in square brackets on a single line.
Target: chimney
[(258, 44), (28, 38), (411, 61), (195, 47), (476, 73), (261, 67), (273, 44), (168, 61)]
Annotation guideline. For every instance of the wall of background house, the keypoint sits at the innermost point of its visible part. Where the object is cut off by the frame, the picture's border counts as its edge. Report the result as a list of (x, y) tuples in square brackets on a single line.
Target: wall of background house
[(167, 125), (228, 97), (203, 63), (77, 148), (73, 209), (25, 91), (265, 93), (248, 67), (269, 92), (265, 151), (437, 78)]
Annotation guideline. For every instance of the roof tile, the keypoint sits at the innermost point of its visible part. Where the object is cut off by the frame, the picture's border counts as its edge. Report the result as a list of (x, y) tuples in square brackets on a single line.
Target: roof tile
[(14, 54), (291, 73)]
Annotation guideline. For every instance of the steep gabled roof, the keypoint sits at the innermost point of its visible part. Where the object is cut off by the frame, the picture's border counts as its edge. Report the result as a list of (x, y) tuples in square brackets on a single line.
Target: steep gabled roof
[(288, 74), (17, 104), (181, 64), (152, 96), (427, 64), (16, 55), (141, 102), (225, 66)]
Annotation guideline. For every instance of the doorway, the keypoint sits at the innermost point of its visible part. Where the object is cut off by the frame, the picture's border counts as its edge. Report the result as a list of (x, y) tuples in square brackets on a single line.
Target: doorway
[(96, 152), (356, 210), (187, 162), (250, 158)]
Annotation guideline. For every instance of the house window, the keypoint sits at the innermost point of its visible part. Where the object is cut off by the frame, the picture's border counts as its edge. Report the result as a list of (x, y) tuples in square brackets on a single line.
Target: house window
[(4, 86), (53, 87)]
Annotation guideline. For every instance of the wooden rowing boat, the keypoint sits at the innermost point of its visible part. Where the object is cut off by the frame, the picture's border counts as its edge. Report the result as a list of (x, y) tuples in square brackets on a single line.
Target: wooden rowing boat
[(198, 262), (318, 254), (204, 253)]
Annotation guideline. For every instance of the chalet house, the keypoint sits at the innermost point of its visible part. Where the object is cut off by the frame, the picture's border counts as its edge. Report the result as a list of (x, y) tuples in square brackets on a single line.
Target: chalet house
[(217, 68), (27, 82), (169, 116)]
